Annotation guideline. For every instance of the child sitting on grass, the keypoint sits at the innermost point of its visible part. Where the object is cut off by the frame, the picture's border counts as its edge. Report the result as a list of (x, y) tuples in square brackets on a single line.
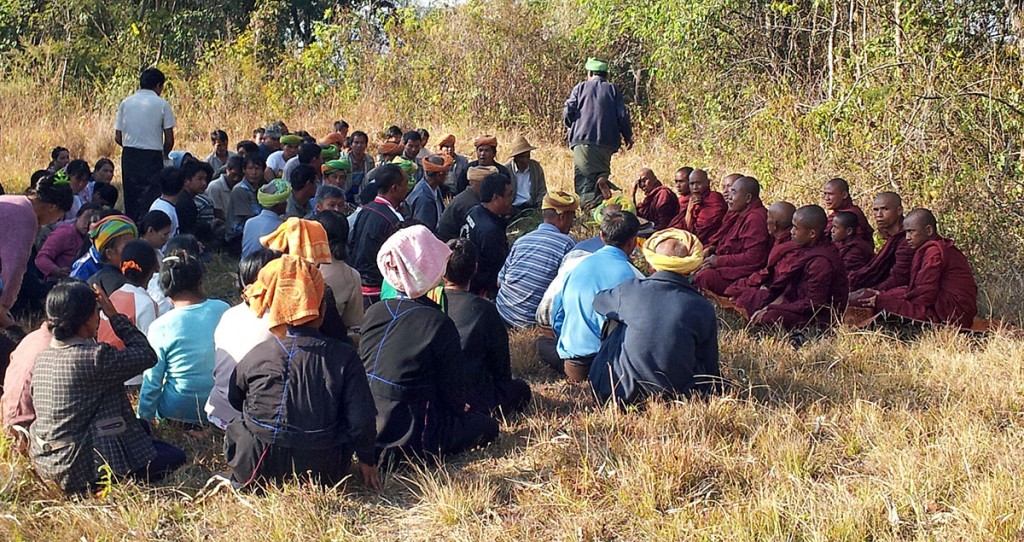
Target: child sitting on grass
[(177, 387)]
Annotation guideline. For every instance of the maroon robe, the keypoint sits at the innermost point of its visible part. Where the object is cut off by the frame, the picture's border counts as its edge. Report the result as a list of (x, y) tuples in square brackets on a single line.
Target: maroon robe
[(754, 292), (941, 289), (856, 253), (660, 207), (702, 219), (815, 292), (864, 229), (889, 268), (684, 202), (727, 221), (742, 250)]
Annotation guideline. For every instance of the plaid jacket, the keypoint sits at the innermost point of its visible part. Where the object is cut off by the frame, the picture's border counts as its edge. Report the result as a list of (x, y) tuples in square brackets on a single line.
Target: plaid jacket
[(83, 416)]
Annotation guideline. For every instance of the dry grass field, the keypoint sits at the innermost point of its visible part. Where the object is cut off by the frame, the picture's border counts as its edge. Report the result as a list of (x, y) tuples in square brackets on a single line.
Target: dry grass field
[(856, 436)]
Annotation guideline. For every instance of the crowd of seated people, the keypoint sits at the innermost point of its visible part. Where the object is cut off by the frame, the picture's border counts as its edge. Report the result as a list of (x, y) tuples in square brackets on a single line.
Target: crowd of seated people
[(378, 295)]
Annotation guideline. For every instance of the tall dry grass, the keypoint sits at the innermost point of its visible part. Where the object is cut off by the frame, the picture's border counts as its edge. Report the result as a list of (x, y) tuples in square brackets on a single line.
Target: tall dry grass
[(858, 436)]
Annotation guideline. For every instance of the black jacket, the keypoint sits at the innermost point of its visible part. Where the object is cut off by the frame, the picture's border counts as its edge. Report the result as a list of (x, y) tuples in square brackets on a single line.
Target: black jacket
[(414, 362), (315, 398), (375, 223), (487, 231), (484, 342)]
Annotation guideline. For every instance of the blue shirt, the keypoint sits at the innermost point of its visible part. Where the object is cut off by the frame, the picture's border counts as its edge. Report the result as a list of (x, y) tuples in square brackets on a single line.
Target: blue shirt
[(573, 319), (178, 386), (262, 224), (528, 271), (591, 245)]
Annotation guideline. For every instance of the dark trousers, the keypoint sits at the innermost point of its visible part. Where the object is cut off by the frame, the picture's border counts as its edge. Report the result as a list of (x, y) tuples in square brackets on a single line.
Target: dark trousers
[(168, 459), (589, 163), (253, 460), (139, 168), (576, 370)]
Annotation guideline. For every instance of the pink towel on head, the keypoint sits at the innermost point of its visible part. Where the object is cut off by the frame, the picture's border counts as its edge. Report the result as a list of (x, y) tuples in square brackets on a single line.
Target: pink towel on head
[(413, 260)]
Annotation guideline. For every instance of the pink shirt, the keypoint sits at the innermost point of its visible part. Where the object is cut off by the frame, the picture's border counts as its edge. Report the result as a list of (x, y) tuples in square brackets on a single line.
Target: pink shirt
[(17, 399), (60, 249), (20, 226)]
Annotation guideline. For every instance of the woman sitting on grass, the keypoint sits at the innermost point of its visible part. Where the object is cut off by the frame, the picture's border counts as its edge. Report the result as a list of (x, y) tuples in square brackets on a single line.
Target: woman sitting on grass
[(177, 387), (102, 263), (305, 402), (65, 245), (83, 416), (138, 264), (342, 279)]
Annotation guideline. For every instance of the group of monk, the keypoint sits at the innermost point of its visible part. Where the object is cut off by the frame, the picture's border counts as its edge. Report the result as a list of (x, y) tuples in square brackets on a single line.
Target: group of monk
[(794, 267)]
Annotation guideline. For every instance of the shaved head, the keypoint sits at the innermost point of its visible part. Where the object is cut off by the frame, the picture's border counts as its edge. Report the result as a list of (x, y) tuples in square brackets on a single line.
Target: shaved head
[(672, 247), (891, 199), (811, 216), (747, 185), (699, 175), (839, 183), (730, 178), (782, 213), (845, 219), (921, 218)]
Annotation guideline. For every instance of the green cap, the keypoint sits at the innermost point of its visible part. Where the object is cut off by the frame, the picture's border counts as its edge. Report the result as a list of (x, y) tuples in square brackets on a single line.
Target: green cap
[(291, 139), (595, 65)]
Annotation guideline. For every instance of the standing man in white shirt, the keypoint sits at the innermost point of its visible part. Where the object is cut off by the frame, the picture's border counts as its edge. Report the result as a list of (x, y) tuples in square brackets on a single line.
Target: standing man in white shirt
[(144, 128)]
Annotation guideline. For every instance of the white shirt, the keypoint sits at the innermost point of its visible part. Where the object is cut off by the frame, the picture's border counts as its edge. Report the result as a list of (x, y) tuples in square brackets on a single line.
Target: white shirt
[(276, 162), (145, 313), (160, 204), (142, 119), (523, 185), (238, 332)]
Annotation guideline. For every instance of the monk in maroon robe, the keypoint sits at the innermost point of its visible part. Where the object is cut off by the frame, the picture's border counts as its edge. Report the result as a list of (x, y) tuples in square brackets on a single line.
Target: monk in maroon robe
[(836, 195), (890, 268), (855, 251), (660, 205), (817, 290), (682, 182), (754, 292), (729, 217), (942, 288), (703, 216), (743, 249)]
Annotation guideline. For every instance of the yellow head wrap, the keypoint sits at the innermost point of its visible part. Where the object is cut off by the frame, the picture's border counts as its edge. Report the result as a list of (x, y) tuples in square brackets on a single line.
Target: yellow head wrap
[(675, 264), (622, 201), (561, 201), (274, 193)]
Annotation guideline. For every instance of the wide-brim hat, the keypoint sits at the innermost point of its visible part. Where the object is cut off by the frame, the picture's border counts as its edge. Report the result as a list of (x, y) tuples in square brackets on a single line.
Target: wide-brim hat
[(519, 146)]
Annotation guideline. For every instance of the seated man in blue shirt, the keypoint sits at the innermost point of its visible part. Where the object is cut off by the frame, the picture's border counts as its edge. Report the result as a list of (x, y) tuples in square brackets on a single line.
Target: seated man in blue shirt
[(664, 352), (575, 323), (273, 199)]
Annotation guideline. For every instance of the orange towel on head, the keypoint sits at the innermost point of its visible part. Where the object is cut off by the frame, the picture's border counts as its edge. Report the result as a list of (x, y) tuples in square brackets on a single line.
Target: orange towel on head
[(333, 138), (289, 291), (306, 239)]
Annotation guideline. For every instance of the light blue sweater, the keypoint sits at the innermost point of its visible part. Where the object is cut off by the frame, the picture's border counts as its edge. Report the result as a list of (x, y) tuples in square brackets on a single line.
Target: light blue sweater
[(178, 385)]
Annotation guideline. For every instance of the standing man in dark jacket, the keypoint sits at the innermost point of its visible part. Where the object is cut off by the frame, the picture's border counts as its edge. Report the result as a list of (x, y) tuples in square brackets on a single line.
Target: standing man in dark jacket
[(598, 123), (668, 352)]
